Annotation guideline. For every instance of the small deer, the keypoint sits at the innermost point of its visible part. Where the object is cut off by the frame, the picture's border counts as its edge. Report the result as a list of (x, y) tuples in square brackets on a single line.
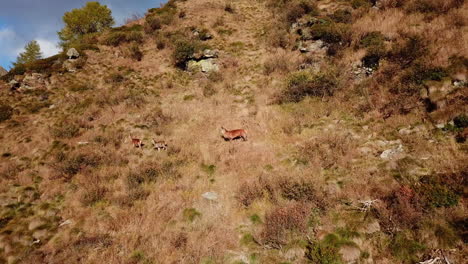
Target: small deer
[(229, 135), (159, 145), (137, 143)]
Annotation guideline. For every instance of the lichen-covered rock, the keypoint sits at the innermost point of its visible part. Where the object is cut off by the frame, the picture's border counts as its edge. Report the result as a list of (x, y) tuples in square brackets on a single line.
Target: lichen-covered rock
[(73, 53), (208, 65)]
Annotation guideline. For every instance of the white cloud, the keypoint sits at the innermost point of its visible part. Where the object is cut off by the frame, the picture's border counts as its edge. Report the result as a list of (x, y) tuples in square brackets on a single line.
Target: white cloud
[(10, 45), (9, 41), (48, 47)]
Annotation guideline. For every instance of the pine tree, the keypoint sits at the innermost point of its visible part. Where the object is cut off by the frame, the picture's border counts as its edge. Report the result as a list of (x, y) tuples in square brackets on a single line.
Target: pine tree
[(32, 52), (91, 18)]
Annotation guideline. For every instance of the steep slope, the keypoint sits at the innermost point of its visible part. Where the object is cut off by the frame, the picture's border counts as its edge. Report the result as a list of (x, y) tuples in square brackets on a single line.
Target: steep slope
[(343, 162)]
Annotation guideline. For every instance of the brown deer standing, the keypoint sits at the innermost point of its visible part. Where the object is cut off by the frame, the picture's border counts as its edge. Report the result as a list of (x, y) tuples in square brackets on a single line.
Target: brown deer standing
[(233, 134), (137, 143)]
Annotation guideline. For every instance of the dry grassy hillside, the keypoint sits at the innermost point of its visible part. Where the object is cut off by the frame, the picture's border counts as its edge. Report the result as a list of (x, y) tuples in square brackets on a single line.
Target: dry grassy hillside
[(356, 114)]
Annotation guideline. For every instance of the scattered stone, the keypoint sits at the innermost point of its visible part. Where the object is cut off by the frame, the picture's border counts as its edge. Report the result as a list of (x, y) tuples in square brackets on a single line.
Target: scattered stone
[(392, 153), (212, 196), (73, 54), (207, 65), (33, 81), (69, 65), (67, 222), (350, 254), (316, 47), (83, 143), (14, 85)]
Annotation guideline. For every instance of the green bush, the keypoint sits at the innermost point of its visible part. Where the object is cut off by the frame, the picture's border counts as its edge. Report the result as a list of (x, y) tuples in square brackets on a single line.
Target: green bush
[(152, 24), (302, 84), (331, 32), (360, 3), (6, 112), (184, 51), (190, 214), (405, 249), (342, 16), (327, 250), (461, 121), (65, 129), (297, 10), (135, 52), (404, 54), (166, 13), (372, 39), (115, 38), (297, 191), (69, 165)]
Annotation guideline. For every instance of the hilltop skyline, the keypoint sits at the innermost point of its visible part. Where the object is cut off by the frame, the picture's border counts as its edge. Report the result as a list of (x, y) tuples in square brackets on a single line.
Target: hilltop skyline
[(25, 20)]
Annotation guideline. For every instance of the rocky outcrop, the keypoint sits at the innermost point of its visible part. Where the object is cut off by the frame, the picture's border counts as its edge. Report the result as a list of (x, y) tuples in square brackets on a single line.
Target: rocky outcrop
[(30, 81), (204, 61), (3, 71), (73, 54)]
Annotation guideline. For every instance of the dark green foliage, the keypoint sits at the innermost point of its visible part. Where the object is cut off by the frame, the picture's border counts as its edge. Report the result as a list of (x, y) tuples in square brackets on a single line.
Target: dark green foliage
[(152, 24), (405, 249), (372, 39), (6, 112), (360, 3), (115, 38), (297, 190), (342, 16), (190, 214), (327, 250), (185, 50), (433, 7), (420, 73), (208, 169), (441, 190), (65, 129), (299, 9), (166, 13), (45, 66), (413, 48), (331, 32), (302, 84), (69, 165), (135, 52), (461, 121)]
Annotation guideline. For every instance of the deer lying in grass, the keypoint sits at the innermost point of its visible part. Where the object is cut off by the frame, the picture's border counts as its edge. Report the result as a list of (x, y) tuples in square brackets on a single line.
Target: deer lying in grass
[(137, 143), (159, 145), (233, 134)]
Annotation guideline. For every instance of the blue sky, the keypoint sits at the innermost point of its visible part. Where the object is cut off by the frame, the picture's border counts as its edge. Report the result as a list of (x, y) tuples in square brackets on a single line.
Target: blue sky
[(24, 20)]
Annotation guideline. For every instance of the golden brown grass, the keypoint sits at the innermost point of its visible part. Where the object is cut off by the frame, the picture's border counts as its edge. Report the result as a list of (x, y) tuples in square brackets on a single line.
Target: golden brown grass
[(297, 178)]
